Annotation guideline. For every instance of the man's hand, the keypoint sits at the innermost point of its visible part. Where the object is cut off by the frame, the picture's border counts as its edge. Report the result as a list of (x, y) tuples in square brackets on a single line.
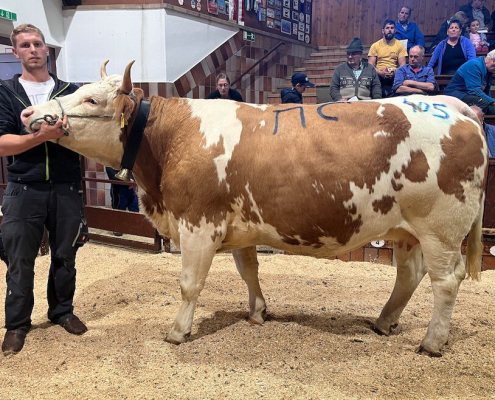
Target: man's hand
[(386, 73), (46, 131)]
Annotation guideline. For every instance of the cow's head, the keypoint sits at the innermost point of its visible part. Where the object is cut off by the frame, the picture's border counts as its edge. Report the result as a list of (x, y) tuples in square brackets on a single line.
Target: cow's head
[(96, 113)]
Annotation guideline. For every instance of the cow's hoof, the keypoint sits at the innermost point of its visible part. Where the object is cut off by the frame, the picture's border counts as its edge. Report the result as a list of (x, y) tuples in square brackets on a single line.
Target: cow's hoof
[(431, 353), (380, 331), (255, 321), (175, 339)]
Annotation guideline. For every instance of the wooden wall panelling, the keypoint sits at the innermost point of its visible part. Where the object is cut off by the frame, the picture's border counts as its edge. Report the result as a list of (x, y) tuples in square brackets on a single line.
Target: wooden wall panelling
[(336, 22)]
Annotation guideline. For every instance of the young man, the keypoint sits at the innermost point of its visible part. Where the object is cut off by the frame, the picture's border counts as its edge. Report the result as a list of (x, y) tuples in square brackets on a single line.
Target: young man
[(299, 84), (408, 31), (387, 54), (415, 78), (43, 190), (355, 77)]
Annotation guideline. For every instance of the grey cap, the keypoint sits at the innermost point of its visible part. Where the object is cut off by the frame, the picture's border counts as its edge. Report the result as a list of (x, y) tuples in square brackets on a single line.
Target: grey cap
[(355, 45)]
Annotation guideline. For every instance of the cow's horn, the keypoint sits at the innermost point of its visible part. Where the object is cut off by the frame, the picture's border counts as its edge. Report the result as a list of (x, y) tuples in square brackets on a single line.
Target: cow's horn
[(127, 83), (103, 69)]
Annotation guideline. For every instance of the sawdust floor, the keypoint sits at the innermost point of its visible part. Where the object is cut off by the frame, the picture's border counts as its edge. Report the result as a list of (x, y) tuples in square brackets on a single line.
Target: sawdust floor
[(317, 343)]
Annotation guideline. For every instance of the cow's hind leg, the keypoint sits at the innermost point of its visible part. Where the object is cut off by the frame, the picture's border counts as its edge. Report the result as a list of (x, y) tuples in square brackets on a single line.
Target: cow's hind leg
[(195, 266), (410, 272), (446, 270), (246, 261)]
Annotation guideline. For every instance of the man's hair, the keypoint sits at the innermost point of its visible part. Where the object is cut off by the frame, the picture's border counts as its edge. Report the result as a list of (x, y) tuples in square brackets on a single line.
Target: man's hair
[(491, 55), (388, 22), (409, 8), (421, 49), (223, 76), (25, 28), (461, 16)]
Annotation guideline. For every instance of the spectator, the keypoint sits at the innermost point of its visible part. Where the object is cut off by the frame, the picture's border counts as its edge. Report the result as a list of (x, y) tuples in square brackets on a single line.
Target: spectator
[(489, 130), (442, 32), (123, 196), (299, 83), (478, 39), (452, 52), (386, 55), (476, 10), (408, 32), (224, 91), (43, 190), (355, 77), (415, 78), (472, 81)]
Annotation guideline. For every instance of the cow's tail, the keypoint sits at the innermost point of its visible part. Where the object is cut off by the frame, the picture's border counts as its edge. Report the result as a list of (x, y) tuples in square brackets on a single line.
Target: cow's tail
[(474, 250)]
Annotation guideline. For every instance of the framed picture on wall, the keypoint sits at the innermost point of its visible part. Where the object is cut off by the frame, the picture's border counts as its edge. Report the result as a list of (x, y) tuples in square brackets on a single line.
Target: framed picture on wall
[(286, 13), (294, 28), (213, 7), (295, 16), (287, 3), (270, 13), (286, 27)]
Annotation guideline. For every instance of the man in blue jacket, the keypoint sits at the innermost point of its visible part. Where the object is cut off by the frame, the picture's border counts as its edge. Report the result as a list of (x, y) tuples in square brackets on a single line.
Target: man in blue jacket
[(299, 83), (406, 30), (472, 81)]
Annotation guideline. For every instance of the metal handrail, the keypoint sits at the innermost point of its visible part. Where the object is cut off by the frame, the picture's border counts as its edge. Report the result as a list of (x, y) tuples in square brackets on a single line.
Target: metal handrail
[(282, 43)]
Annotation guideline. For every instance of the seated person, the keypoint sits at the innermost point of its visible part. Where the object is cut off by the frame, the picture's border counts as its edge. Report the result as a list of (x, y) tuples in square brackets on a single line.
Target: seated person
[(415, 78), (224, 90), (387, 54), (489, 130), (299, 83), (355, 77), (406, 30), (477, 10), (442, 32), (478, 39), (472, 83), (452, 52)]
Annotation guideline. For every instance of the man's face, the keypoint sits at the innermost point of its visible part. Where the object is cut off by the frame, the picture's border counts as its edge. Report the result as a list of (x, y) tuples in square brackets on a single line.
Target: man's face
[(354, 58), (389, 31), (223, 87), (404, 15), (415, 57), (300, 88), (478, 4), (490, 64), (31, 51)]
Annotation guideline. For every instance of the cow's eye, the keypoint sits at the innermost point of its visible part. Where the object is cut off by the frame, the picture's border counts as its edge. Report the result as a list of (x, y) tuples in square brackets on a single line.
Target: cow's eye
[(92, 101)]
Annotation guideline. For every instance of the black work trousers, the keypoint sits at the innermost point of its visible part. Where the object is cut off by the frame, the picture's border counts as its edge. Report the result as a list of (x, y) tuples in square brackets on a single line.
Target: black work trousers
[(27, 208), (486, 107)]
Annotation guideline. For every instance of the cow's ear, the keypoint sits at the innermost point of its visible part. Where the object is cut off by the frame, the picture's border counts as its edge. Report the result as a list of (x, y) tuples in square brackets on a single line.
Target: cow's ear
[(124, 106)]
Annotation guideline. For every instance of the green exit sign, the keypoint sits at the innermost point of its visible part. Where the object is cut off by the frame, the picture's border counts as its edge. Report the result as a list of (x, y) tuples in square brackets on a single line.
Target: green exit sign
[(8, 15), (249, 36)]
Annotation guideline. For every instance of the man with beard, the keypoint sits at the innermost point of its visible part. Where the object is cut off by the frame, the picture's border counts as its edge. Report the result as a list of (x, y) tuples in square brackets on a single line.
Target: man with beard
[(415, 78), (408, 31), (386, 55), (43, 190)]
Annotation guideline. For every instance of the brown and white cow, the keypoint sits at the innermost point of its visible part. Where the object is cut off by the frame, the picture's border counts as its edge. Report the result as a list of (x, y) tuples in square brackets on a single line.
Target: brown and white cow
[(315, 180)]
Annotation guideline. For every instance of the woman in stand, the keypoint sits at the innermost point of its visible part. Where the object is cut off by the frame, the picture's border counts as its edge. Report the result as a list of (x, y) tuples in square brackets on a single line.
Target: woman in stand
[(453, 51)]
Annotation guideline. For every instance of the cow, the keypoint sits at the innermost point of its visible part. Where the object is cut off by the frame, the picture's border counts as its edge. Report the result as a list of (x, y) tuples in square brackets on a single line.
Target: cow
[(315, 180)]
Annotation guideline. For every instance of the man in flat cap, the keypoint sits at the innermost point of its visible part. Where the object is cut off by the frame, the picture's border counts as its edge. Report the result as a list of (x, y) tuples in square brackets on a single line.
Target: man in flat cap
[(355, 78)]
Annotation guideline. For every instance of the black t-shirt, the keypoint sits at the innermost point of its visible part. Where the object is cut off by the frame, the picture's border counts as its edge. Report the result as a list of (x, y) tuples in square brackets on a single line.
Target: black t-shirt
[(453, 58)]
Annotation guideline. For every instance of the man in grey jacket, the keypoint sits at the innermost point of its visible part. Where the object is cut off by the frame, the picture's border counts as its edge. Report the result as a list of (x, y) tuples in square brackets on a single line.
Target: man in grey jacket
[(355, 78)]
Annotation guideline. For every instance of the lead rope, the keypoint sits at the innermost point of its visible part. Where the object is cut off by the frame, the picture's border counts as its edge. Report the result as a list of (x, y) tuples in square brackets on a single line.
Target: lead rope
[(51, 120)]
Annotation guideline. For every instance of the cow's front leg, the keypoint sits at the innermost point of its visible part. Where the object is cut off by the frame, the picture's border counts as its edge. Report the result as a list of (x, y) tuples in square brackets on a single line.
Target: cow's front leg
[(246, 261), (410, 272), (196, 263)]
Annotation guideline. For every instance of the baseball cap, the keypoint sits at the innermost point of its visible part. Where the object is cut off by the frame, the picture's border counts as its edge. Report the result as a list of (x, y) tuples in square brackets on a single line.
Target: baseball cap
[(303, 79)]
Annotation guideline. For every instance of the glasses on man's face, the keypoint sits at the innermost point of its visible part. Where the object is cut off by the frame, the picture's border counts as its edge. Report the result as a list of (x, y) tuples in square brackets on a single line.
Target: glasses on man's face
[(223, 85)]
